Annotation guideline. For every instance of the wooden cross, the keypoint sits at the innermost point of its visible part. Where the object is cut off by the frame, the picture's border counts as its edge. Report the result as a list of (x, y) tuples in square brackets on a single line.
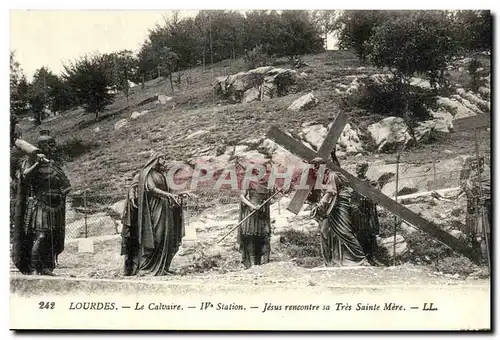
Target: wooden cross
[(326, 147), (365, 189)]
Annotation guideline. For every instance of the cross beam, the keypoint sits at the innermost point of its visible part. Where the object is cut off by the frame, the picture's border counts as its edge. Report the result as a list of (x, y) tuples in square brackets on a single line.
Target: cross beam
[(326, 147), (303, 152)]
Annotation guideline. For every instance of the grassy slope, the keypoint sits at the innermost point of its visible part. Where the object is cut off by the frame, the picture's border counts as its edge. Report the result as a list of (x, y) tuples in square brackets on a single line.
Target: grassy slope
[(109, 166)]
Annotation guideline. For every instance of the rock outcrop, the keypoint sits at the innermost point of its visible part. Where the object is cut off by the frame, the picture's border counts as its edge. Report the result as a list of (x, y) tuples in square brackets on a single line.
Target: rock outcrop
[(390, 133), (304, 103), (258, 84)]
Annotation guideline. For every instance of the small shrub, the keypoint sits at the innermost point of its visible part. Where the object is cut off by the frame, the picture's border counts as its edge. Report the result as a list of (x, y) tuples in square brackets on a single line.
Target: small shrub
[(258, 58), (475, 81), (281, 61), (388, 97)]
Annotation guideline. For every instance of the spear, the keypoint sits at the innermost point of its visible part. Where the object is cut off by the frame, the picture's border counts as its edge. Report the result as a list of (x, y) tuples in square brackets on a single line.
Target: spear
[(248, 216)]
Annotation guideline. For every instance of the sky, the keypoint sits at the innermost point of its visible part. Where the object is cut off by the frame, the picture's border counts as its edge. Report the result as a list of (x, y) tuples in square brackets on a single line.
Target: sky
[(51, 37)]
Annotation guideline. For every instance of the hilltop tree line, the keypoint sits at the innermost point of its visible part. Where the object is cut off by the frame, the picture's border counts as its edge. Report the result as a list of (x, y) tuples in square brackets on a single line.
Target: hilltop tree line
[(383, 38)]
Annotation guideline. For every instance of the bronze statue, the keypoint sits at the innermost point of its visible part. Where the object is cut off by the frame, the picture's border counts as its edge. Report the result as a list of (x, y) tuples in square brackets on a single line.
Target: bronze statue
[(478, 194), (254, 234), (366, 217), (40, 216), (153, 228), (334, 213)]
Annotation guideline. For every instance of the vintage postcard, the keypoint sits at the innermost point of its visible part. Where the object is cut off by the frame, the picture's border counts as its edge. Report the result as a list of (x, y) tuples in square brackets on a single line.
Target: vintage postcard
[(250, 170)]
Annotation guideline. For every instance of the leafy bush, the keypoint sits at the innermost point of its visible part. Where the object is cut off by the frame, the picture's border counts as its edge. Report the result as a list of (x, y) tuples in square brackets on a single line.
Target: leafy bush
[(390, 96), (475, 78), (257, 57)]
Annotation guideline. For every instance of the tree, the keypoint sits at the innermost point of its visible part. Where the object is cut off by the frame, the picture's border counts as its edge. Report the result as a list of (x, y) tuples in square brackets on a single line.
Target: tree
[(18, 88), (325, 22), (474, 30), (60, 95), (125, 66), (354, 28), (90, 80), (420, 42), (297, 35), (168, 60), (40, 93)]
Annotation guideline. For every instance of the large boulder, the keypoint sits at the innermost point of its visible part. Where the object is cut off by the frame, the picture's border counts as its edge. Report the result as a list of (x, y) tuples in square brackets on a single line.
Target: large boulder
[(424, 131), (349, 141), (260, 83), (304, 103), (251, 95), (471, 97), (278, 155), (455, 107), (406, 186), (422, 83), (247, 156), (162, 99), (442, 118), (121, 123), (314, 135), (135, 115), (388, 244), (390, 133)]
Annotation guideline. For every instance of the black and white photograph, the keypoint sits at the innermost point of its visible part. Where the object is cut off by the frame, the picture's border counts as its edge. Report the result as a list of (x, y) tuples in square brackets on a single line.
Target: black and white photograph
[(243, 170)]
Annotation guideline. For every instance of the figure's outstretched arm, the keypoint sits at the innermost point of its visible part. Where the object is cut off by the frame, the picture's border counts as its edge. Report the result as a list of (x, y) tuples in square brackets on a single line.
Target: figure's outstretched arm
[(152, 188)]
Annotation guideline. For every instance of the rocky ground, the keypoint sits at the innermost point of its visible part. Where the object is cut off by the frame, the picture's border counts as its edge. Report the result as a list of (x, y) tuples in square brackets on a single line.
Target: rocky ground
[(295, 258)]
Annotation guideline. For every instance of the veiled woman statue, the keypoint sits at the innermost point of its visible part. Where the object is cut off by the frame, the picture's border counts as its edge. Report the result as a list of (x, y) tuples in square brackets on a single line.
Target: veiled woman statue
[(153, 236), (333, 211)]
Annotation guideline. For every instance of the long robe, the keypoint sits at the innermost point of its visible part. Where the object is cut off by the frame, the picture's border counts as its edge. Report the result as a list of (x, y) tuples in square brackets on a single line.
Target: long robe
[(159, 225), (339, 244), (365, 222), (40, 218), (254, 234), (130, 236)]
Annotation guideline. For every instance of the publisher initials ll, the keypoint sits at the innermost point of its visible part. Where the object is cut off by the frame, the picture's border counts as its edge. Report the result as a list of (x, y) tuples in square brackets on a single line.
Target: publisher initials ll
[(429, 307)]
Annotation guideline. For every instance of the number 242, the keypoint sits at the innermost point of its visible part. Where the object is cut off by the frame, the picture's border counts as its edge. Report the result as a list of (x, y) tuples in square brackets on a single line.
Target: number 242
[(46, 305)]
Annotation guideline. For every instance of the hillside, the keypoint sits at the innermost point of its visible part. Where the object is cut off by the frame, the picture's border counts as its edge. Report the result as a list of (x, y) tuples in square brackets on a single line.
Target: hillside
[(195, 123), (114, 155)]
